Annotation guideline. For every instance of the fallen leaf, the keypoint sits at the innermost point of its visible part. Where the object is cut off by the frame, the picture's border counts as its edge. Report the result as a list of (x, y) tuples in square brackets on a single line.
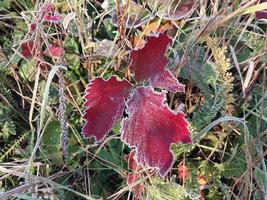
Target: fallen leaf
[(157, 26), (202, 180)]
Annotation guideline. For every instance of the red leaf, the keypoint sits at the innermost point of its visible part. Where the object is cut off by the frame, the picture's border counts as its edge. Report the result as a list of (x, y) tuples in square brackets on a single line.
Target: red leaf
[(105, 102), (47, 8), (28, 49), (261, 14), (152, 127), (32, 27), (168, 81), (149, 64), (136, 174), (150, 60), (132, 164), (183, 172), (54, 51), (137, 189), (53, 18)]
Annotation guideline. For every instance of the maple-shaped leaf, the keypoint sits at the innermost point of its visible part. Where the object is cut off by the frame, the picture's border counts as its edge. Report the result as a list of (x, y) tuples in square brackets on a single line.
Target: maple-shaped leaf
[(148, 64), (105, 102), (151, 127)]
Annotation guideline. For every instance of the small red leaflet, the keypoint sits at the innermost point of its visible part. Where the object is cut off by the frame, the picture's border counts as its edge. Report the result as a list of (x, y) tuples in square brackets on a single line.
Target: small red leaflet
[(28, 49), (151, 127), (183, 172), (54, 51), (132, 164), (53, 18), (135, 175), (46, 8), (132, 178), (166, 80)]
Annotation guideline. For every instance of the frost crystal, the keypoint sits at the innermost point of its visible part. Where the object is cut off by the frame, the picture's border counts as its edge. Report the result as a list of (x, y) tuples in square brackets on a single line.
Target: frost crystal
[(152, 127)]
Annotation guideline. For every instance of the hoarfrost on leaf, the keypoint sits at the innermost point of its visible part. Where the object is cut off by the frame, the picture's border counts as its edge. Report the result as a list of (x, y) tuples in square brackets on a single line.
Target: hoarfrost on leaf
[(148, 64), (105, 102), (152, 127)]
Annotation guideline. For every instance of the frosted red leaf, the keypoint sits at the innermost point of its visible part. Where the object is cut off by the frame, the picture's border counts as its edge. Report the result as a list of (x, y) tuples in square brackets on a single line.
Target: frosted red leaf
[(167, 81), (53, 18), (135, 175), (54, 51), (132, 178), (151, 127), (149, 64), (28, 49), (132, 164), (105, 102)]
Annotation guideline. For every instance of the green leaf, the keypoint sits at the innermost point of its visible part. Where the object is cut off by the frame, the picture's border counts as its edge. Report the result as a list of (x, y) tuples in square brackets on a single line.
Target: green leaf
[(261, 178), (164, 190), (51, 142), (235, 168), (8, 129), (206, 113), (27, 70)]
